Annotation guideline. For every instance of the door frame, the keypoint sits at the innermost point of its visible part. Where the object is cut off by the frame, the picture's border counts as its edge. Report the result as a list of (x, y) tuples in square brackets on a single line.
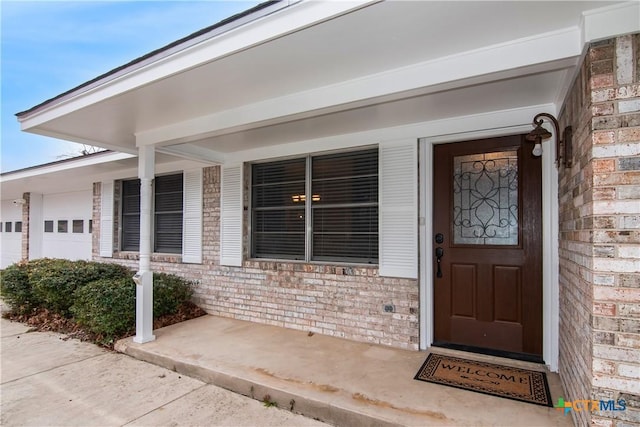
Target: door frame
[(550, 275)]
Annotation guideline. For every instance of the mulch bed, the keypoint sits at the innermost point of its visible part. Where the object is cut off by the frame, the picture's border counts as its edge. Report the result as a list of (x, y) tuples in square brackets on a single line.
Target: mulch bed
[(43, 320)]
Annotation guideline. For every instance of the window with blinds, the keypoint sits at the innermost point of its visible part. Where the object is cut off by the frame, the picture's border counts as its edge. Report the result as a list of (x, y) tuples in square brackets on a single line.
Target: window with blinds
[(167, 214), (130, 236), (344, 207), (334, 197), (278, 191)]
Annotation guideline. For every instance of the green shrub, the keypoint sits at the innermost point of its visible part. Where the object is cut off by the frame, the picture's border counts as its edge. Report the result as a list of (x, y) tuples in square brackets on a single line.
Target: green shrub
[(54, 281), (169, 293), (106, 306), (103, 270), (16, 289), (100, 296)]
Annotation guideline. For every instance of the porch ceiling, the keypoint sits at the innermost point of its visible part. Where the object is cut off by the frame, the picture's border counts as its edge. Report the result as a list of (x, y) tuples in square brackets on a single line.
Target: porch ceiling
[(377, 64)]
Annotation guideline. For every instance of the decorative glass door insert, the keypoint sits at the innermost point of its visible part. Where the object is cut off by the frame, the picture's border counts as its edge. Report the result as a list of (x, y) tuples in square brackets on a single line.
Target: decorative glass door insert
[(485, 198)]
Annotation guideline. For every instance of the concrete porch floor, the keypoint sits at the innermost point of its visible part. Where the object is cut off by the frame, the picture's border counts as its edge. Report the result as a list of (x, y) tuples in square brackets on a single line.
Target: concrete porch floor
[(340, 382)]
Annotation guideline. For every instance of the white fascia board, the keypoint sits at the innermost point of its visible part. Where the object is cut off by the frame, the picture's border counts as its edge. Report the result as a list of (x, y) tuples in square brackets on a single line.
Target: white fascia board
[(72, 138), (611, 21), (62, 166), (262, 30), (487, 124), (517, 54)]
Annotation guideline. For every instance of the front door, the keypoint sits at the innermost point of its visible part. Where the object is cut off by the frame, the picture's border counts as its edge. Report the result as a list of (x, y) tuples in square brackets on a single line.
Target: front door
[(487, 212)]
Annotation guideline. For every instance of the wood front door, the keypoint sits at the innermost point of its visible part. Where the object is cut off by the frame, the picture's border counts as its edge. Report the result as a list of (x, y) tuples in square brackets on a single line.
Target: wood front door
[(487, 212)]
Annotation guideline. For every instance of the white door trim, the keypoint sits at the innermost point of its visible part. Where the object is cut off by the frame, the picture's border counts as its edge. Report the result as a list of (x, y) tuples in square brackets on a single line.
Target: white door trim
[(550, 237)]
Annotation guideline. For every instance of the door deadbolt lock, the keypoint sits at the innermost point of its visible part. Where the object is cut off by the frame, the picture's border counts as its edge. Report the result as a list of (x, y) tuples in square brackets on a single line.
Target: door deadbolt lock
[(439, 238)]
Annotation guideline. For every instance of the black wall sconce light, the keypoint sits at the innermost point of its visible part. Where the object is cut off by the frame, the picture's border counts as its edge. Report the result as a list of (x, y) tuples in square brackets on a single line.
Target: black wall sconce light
[(564, 148)]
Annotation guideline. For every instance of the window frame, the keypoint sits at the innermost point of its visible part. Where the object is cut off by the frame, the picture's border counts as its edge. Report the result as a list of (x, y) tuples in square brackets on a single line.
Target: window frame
[(308, 240), (73, 226), (153, 215)]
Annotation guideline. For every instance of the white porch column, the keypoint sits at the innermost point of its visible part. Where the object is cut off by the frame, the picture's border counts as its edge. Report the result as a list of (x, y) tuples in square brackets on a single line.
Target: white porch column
[(144, 277)]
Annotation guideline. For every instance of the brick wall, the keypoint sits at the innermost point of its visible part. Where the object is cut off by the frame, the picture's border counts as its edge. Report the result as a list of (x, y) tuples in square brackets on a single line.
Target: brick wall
[(95, 237), (26, 209), (599, 201), (341, 301)]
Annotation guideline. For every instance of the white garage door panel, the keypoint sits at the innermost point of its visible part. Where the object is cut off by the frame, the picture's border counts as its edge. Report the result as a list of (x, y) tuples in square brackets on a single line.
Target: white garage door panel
[(10, 243), (67, 207)]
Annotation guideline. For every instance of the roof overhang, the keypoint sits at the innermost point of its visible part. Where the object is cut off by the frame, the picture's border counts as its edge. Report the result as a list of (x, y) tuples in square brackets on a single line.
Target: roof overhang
[(314, 69), (79, 173)]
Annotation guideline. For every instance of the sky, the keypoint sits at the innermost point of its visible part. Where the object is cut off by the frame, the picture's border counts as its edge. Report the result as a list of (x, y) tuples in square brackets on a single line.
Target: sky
[(49, 47)]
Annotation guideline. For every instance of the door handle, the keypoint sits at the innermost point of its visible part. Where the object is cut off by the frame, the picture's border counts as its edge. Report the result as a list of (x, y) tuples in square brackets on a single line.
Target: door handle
[(439, 254)]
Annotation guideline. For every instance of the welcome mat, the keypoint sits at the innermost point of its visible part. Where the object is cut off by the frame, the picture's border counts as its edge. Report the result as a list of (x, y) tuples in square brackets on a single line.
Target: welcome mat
[(488, 378)]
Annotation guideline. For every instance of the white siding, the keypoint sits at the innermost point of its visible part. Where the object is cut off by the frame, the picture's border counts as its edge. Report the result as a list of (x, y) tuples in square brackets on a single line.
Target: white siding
[(231, 216), (192, 218), (398, 226), (10, 243)]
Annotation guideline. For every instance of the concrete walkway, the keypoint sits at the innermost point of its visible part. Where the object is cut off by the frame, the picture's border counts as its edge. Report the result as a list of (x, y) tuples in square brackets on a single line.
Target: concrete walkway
[(47, 380), (337, 381)]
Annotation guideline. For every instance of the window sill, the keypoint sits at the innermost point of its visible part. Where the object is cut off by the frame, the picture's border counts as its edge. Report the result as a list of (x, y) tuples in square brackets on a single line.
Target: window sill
[(155, 257), (322, 267)]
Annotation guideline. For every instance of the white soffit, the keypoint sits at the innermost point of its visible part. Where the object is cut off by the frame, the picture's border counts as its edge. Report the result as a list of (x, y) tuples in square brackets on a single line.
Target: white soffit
[(366, 53), (228, 44), (505, 94)]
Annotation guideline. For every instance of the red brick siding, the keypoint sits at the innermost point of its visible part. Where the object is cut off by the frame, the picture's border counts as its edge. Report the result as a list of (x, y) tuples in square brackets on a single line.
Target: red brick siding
[(599, 233), (26, 209), (341, 301)]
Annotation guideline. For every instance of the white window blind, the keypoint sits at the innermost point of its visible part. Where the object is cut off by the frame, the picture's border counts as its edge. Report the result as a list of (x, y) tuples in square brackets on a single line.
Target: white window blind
[(231, 216), (192, 222), (106, 219), (399, 209)]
